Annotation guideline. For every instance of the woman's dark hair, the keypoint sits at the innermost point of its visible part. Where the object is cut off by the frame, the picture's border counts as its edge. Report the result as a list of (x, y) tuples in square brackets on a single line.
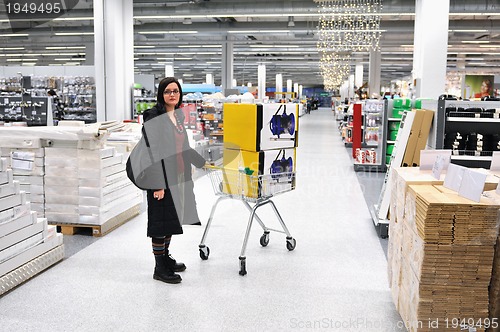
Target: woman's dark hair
[(163, 85)]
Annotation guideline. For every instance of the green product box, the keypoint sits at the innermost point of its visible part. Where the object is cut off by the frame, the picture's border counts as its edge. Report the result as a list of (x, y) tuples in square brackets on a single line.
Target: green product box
[(387, 159), (392, 135), (394, 125), (397, 113), (390, 147), (402, 103)]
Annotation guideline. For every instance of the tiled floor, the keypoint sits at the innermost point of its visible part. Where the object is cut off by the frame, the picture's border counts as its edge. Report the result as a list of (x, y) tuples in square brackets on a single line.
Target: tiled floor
[(336, 278)]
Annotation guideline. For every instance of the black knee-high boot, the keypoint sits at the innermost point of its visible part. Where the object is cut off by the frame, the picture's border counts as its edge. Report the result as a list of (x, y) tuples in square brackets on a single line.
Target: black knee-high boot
[(164, 272)]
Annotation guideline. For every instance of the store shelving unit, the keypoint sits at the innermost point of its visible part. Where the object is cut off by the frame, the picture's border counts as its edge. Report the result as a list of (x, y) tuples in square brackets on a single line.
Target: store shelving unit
[(467, 119), (374, 136)]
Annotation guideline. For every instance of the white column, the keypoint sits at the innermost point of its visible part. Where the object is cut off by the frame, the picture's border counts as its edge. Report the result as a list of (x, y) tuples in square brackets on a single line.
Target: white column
[(227, 64), (374, 73), (209, 79), (300, 90), (261, 81), (234, 83), (430, 47), (358, 75), (288, 85), (279, 83), (114, 58), (295, 89), (169, 70)]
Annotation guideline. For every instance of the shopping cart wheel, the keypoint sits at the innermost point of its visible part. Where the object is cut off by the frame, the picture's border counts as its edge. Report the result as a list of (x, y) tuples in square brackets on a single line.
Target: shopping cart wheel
[(243, 266), (290, 243), (204, 252), (264, 239)]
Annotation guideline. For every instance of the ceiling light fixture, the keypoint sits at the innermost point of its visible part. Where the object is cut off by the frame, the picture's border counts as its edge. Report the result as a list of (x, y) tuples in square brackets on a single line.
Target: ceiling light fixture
[(187, 20), (291, 23)]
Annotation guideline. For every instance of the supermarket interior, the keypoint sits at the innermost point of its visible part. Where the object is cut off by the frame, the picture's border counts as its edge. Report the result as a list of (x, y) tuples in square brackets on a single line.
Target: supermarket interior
[(224, 165)]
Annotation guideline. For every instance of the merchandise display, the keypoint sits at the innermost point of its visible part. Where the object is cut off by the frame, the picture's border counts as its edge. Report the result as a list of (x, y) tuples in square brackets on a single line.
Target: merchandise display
[(470, 129)]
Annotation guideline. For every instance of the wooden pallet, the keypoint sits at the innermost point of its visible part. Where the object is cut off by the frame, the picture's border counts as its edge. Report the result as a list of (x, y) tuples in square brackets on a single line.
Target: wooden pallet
[(99, 230)]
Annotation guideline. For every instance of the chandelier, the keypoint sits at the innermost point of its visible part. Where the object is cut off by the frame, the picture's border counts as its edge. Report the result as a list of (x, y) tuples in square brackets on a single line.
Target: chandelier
[(346, 26), (335, 69)]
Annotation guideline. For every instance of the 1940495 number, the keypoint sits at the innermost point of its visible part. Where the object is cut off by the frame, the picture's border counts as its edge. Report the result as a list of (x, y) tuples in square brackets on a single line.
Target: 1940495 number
[(33, 8)]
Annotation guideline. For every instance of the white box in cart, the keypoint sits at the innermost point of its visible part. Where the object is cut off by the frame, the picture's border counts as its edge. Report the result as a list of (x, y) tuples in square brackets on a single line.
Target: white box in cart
[(71, 172), (103, 180), (61, 190), (60, 162), (61, 208), (61, 181)]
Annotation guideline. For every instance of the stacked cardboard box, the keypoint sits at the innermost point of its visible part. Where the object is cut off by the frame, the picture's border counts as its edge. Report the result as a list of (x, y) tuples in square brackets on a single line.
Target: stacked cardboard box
[(88, 187), (23, 236), (259, 140), (445, 263), (495, 277)]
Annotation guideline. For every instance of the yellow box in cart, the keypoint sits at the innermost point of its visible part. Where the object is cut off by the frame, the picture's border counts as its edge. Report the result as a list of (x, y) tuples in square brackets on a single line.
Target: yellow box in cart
[(258, 173), (258, 127)]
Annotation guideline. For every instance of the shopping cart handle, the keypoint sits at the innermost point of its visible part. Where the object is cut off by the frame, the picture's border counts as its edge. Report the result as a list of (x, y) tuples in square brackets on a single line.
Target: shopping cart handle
[(209, 166)]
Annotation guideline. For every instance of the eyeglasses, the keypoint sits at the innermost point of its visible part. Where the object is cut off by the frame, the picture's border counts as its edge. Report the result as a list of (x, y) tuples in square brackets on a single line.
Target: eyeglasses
[(169, 92)]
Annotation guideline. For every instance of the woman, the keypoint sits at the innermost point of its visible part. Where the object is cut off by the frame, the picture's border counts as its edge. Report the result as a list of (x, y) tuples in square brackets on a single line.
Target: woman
[(173, 203)]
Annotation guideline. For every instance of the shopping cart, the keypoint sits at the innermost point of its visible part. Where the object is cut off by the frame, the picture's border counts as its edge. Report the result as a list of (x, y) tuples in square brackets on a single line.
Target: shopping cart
[(258, 189)]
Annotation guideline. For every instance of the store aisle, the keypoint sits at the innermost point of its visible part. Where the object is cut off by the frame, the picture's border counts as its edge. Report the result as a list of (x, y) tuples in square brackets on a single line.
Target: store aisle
[(335, 279)]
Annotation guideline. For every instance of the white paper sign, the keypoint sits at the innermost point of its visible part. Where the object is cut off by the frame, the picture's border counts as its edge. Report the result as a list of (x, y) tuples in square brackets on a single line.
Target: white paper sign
[(472, 185), (495, 161), (428, 158), (453, 177), (439, 164)]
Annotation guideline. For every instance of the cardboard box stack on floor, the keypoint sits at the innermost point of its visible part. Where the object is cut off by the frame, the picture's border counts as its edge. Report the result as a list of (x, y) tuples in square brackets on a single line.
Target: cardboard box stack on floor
[(441, 252), (495, 278), (23, 236), (442, 257), (259, 140)]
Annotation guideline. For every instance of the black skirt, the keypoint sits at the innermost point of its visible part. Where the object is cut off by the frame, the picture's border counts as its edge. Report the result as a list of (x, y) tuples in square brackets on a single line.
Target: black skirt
[(162, 217)]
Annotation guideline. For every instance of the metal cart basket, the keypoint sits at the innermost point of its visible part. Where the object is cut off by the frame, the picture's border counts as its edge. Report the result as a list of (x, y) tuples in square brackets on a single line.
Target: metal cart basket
[(258, 189)]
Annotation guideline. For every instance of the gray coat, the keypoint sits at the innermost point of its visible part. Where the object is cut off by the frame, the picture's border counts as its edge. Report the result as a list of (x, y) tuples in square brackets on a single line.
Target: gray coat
[(152, 165)]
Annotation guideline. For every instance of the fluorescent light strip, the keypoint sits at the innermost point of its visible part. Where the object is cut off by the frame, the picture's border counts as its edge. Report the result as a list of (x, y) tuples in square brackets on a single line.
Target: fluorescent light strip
[(468, 30), (167, 32), (274, 46), (258, 31), (64, 47), (84, 18), (144, 46), (475, 41), (11, 48), (260, 15), (198, 46), (14, 35), (489, 46), (74, 33)]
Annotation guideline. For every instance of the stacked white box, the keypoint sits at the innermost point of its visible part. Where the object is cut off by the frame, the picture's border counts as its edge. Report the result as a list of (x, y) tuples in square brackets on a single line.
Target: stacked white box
[(23, 236), (87, 187), (28, 168)]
